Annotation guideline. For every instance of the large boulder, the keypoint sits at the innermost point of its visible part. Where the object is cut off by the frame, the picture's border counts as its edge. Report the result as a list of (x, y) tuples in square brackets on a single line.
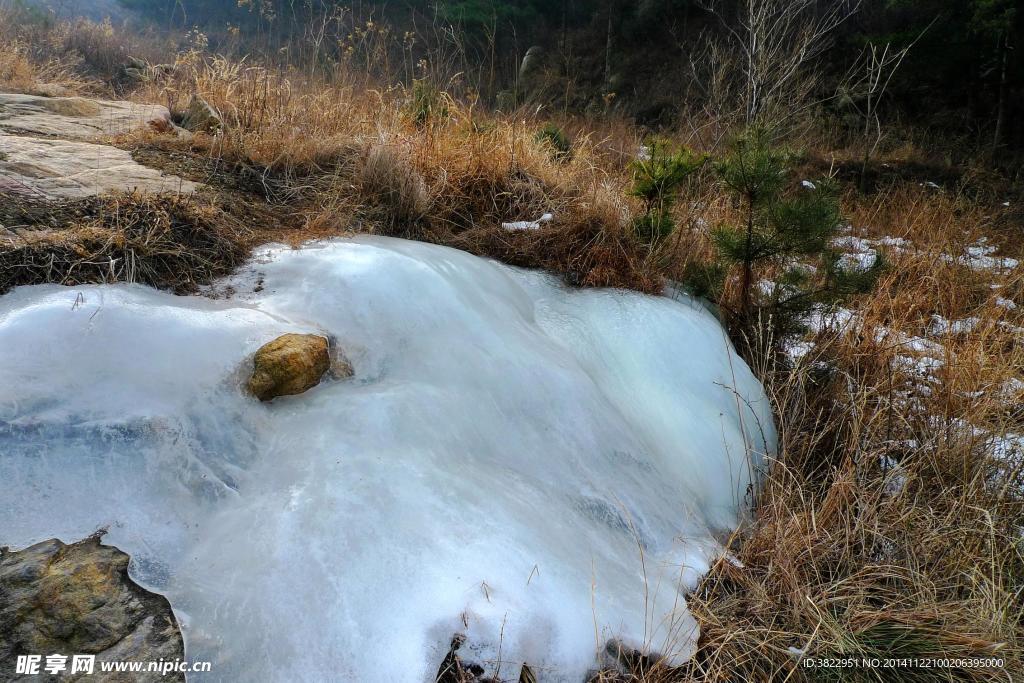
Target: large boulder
[(78, 599), (288, 365), (532, 64)]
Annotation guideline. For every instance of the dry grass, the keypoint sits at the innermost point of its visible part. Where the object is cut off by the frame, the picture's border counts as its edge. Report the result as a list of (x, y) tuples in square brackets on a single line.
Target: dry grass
[(168, 241), (453, 178), (41, 56), (20, 73), (887, 525), (865, 546)]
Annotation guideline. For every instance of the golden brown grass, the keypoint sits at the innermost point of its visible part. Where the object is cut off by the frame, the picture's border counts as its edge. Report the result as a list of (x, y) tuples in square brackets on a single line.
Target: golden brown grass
[(47, 57), (886, 527), (20, 73), (170, 241), (364, 159)]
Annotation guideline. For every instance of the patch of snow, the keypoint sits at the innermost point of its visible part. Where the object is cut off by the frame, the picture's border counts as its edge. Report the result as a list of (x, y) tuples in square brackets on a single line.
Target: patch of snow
[(771, 289), (851, 242), (1008, 304), (529, 225), (940, 326), (767, 287), (797, 349), (733, 560), (862, 252), (1003, 446), (860, 261), (866, 244), (832, 319), (914, 344), (896, 476), (979, 256), (807, 269), (1008, 447), (1011, 388), (507, 450), (923, 368), (897, 242)]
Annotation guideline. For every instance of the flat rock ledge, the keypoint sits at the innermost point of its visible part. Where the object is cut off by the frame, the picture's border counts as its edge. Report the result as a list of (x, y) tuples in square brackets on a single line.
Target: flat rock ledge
[(45, 151), (77, 118), (78, 599), (48, 168)]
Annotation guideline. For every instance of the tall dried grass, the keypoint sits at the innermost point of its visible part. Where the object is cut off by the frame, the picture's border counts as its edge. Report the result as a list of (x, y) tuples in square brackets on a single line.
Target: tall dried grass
[(38, 52)]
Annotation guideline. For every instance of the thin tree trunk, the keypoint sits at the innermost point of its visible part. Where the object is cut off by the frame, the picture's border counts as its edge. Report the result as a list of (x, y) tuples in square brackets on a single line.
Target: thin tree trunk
[(748, 265), (1001, 104), (608, 44)]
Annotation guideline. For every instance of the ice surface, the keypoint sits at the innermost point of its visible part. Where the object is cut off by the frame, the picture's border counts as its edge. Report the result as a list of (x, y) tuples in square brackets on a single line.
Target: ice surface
[(539, 468)]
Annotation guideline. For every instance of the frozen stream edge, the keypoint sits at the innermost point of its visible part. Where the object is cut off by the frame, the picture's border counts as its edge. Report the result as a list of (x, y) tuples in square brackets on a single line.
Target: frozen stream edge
[(537, 467)]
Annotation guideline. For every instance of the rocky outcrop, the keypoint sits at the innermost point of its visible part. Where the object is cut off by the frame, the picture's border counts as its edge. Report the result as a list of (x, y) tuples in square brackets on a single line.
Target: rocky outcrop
[(532, 63), (288, 365), (136, 70), (50, 168), (78, 599), (201, 117), (77, 118)]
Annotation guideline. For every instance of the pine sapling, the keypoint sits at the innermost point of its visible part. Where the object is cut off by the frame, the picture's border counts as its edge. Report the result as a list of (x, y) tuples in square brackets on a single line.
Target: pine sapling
[(658, 177), (783, 229)]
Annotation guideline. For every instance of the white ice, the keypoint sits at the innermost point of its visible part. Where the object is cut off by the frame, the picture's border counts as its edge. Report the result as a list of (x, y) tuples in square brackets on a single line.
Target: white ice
[(537, 467)]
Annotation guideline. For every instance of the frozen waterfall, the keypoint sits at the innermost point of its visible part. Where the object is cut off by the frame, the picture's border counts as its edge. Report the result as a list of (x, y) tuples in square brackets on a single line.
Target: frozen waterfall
[(537, 467)]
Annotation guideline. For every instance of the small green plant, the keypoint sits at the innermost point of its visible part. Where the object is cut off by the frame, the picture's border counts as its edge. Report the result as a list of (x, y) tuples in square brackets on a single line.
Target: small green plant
[(787, 231), (428, 103), (556, 140), (658, 176)]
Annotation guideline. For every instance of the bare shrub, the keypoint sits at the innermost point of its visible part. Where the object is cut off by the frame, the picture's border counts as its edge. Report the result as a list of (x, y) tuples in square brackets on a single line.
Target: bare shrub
[(769, 53)]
